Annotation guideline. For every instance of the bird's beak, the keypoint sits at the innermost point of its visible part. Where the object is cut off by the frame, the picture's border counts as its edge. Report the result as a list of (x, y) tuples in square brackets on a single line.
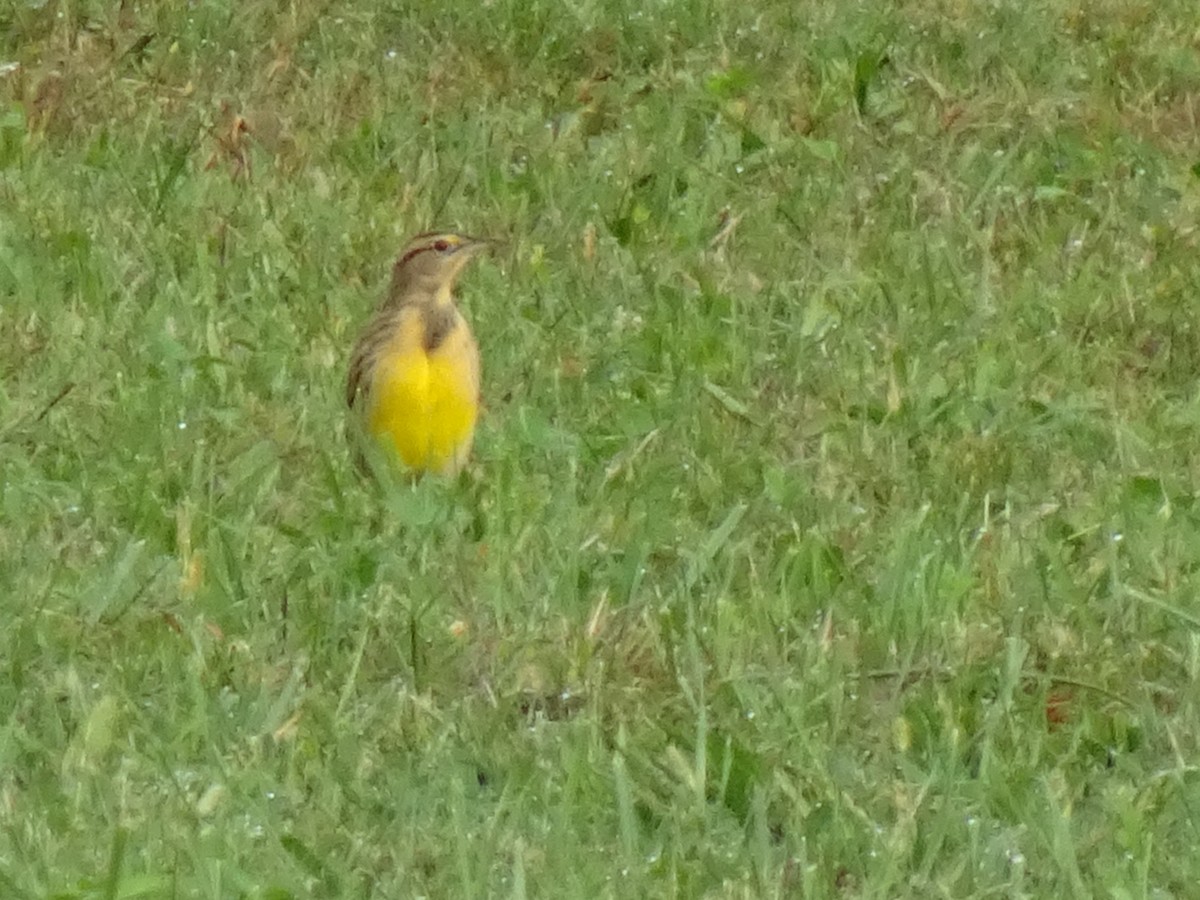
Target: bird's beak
[(475, 245)]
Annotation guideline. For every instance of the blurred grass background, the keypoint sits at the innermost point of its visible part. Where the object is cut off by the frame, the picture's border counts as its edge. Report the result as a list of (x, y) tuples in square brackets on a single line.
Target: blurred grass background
[(832, 529)]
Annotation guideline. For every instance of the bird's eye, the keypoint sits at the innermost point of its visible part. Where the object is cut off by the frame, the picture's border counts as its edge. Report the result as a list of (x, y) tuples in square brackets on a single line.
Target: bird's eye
[(441, 246)]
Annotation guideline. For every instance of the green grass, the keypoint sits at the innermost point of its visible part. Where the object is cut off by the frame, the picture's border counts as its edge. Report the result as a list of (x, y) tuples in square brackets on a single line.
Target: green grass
[(832, 529)]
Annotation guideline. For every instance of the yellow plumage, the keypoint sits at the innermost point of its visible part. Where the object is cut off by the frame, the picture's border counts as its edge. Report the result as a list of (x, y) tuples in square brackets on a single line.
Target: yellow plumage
[(425, 403), (414, 374)]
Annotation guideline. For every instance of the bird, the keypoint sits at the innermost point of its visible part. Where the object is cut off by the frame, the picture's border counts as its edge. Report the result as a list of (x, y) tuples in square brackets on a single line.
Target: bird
[(414, 375)]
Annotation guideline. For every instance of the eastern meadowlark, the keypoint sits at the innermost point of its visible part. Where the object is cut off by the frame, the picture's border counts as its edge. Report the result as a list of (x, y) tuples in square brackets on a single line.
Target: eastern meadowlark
[(414, 373)]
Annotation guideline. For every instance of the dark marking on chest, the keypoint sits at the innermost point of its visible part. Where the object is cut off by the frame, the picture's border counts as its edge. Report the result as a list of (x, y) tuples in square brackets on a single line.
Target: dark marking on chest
[(439, 322)]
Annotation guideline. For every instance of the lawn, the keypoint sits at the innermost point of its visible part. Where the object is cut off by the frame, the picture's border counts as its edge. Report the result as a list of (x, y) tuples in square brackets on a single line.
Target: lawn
[(832, 529)]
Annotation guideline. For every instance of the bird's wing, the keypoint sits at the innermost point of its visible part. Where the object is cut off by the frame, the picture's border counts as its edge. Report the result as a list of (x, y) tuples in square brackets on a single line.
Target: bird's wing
[(362, 362)]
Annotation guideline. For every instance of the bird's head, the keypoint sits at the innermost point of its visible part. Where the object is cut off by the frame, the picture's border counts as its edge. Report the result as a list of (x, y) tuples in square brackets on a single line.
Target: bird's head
[(430, 263)]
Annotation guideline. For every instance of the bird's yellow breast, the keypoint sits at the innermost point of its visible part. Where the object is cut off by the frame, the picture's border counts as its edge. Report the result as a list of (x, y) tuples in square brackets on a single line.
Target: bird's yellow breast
[(425, 402)]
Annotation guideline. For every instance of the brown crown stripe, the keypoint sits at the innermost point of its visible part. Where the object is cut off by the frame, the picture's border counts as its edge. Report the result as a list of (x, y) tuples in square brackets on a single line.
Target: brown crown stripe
[(416, 251)]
